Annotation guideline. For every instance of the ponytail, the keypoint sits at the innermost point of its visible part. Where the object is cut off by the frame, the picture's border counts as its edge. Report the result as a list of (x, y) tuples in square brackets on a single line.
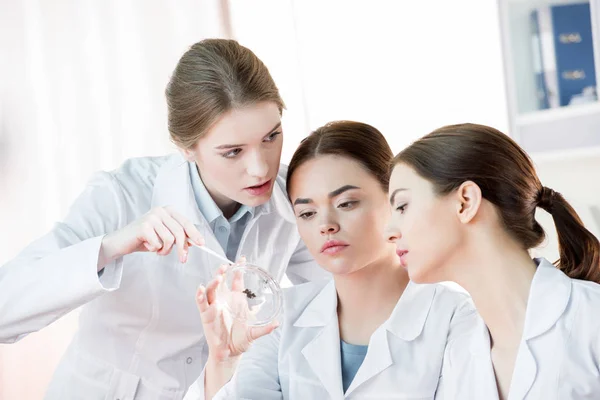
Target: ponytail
[(579, 248)]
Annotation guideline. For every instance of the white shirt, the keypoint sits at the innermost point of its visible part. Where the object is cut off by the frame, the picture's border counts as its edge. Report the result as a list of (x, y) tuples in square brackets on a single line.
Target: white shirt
[(301, 359), (228, 232), (140, 334), (559, 354)]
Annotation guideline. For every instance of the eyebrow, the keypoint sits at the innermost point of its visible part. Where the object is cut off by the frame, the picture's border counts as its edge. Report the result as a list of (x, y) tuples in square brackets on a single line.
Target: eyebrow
[(331, 195), (231, 146), (394, 194)]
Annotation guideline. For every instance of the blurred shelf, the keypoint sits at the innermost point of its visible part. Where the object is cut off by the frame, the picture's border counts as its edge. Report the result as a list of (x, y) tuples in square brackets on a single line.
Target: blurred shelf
[(556, 114), (566, 154), (551, 134)]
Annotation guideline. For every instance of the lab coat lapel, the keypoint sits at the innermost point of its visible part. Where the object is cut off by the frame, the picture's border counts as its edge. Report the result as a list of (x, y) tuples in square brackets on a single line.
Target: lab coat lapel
[(322, 353), (548, 299)]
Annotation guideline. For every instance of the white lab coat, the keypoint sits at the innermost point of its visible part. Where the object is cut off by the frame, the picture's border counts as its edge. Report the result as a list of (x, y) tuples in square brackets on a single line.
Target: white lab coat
[(301, 359), (140, 334), (559, 354)]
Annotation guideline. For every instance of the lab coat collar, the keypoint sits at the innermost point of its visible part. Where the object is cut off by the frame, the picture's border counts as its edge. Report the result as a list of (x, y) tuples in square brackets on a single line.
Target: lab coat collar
[(406, 321), (322, 352), (549, 296), (321, 310), (410, 314), (548, 299), (173, 188)]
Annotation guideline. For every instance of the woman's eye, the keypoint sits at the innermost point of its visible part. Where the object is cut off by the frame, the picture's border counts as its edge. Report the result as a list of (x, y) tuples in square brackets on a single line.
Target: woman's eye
[(401, 208), (232, 153), (348, 204), (272, 137), (306, 215)]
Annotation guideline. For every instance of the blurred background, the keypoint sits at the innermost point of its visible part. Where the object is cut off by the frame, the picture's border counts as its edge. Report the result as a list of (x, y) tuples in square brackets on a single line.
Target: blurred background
[(82, 90)]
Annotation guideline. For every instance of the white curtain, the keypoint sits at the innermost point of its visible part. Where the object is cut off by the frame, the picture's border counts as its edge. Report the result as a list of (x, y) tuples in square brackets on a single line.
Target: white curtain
[(82, 89)]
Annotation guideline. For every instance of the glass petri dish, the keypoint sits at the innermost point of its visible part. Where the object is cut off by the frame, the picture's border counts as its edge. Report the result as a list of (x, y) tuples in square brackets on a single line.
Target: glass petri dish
[(250, 295)]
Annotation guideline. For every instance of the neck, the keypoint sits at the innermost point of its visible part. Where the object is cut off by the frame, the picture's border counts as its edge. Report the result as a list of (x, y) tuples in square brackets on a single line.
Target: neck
[(367, 297), (228, 209), (498, 277), (227, 206)]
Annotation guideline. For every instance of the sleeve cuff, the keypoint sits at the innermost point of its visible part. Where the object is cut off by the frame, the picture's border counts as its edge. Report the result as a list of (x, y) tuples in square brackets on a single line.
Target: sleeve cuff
[(196, 391)]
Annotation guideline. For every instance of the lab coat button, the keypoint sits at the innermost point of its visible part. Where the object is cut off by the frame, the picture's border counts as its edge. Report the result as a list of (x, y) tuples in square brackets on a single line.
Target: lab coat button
[(189, 360)]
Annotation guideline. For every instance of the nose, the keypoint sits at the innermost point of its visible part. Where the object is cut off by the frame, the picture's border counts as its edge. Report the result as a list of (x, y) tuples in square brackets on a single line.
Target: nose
[(257, 165), (329, 228), (392, 235)]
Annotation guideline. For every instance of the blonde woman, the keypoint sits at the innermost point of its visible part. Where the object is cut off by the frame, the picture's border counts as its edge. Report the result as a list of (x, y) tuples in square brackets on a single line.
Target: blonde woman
[(122, 250)]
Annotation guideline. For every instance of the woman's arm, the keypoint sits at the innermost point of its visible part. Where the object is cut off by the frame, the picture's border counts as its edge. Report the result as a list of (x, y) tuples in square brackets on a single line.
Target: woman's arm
[(59, 272), (257, 376)]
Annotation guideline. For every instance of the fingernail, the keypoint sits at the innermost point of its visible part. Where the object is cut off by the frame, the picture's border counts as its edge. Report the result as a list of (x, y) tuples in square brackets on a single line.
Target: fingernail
[(201, 298)]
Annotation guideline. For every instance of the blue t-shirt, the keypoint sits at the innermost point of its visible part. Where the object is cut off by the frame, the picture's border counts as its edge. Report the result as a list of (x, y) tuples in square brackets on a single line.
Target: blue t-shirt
[(352, 358)]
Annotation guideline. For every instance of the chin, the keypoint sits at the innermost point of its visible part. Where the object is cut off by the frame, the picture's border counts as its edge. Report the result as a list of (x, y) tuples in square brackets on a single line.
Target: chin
[(254, 201), (339, 266), (417, 275), (422, 274)]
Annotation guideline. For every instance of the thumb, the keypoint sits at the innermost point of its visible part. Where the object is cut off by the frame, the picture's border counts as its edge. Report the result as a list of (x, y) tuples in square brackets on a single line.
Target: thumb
[(256, 332)]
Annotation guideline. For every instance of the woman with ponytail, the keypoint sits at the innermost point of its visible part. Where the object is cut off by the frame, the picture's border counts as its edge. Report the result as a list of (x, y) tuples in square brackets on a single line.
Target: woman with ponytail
[(464, 199)]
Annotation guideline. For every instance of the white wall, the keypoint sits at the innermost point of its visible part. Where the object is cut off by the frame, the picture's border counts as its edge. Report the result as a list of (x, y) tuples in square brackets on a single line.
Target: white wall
[(578, 179), (81, 89), (404, 67)]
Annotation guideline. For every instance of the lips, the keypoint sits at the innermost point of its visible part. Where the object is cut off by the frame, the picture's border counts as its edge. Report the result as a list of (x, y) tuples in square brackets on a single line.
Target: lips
[(402, 256), (401, 252), (259, 189), (334, 246)]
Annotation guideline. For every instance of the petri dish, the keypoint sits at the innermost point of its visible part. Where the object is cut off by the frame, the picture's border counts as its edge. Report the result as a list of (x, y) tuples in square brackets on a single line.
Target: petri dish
[(250, 295)]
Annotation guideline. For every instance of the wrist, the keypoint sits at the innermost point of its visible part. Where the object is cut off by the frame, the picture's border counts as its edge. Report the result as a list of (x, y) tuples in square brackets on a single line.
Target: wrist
[(108, 252), (217, 374), (222, 364)]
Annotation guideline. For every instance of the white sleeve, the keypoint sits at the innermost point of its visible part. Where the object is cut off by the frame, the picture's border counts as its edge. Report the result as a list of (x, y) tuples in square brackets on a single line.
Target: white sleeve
[(257, 375), (58, 272), (464, 320), (196, 391), (439, 392), (303, 268)]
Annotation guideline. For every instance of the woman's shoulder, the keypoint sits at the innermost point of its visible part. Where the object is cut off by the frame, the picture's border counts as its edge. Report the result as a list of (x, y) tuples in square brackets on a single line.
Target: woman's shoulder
[(585, 302), (142, 169), (451, 296), (587, 289), (298, 298)]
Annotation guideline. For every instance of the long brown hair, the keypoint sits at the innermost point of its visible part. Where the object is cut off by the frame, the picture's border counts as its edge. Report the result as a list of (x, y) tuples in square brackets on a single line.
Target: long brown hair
[(453, 154), (354, 140), (211, 78)]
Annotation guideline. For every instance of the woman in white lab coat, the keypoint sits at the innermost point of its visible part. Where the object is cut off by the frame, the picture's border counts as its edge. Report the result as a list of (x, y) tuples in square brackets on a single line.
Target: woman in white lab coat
[(465, 198), (369, 333), (122, 250)]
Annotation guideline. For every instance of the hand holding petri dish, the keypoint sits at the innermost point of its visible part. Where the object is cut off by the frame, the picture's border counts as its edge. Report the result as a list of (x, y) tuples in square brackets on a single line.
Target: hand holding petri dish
[(248, 293)]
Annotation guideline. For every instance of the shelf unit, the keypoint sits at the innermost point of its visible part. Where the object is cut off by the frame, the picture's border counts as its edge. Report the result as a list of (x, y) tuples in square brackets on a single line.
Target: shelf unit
[(570, 131)]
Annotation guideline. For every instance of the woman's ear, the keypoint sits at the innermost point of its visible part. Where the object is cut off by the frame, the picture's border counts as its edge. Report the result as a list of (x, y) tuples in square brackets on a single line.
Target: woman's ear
[(188, 154), (469, 200)]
